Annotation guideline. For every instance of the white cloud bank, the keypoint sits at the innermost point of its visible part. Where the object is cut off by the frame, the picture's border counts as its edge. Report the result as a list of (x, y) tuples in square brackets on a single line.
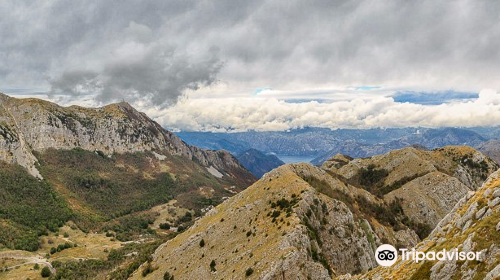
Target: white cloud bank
[(239, 114)]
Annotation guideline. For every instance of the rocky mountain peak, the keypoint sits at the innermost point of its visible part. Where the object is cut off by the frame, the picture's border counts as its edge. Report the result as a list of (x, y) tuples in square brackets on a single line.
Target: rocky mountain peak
[(3, 95), (319, 223), (31, 125)]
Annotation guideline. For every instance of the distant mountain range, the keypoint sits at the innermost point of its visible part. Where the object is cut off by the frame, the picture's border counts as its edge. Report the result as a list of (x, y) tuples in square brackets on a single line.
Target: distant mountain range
[(323, 143), (257, 162)]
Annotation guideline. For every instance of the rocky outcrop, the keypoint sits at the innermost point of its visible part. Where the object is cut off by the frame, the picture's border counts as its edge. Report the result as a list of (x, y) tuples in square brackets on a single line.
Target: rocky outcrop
[(429, 183), (430, 197), (336, 162), (28, 125), (306, 222), (297, 221), (472, 226)]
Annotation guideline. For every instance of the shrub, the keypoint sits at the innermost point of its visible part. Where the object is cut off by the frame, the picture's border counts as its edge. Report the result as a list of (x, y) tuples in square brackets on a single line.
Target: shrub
[(168, 276), (212, 266), (202, 243), (370, 176), (276, 213), (186, 218), (165, 226), (45, 272), (148, 269), (422, 230), (249, 272)]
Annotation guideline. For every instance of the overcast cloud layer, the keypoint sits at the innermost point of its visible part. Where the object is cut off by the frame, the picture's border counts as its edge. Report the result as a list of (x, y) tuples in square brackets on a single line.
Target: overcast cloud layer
[(229, 64), (241, 114)]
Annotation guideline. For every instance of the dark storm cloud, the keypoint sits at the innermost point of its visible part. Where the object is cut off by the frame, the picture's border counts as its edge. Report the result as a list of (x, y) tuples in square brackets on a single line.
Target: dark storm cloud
[(157, 49), (159, 76), (111, 48)]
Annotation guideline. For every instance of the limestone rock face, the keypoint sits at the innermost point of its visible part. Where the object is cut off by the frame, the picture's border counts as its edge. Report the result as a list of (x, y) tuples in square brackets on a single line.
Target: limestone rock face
[(30, 125), (430, 197), (337, 161), (304, 222), (472, 226), (296, 222), (429, 183)]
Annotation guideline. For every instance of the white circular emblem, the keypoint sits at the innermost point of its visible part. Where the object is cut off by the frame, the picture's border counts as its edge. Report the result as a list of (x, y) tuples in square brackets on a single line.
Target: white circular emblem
[(386, 255)]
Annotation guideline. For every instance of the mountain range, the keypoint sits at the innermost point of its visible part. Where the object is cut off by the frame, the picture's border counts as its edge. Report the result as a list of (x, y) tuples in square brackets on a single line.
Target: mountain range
[(107, 193), (101, 171), (257, 162), (306, 222), (322, 144)]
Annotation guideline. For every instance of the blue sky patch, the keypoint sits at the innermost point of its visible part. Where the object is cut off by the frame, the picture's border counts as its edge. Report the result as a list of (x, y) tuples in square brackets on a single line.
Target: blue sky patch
[(432, 98), (367, 87), (259, 90)]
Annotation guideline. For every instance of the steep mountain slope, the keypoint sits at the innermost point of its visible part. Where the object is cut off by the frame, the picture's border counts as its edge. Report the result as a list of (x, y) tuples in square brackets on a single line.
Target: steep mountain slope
[(491, 149), (28, 125), (214, 141), (98, 164), (429, 182), (279, 227), (316, 223), (257, 162), (28, 208), (472, 226)]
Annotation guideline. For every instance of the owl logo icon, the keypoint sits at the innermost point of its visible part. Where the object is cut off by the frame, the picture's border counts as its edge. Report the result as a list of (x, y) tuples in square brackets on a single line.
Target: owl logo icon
[(386, 255)]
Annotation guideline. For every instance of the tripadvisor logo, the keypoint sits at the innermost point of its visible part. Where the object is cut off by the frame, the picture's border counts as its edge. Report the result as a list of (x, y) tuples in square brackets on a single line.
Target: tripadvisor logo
[(386, 255)]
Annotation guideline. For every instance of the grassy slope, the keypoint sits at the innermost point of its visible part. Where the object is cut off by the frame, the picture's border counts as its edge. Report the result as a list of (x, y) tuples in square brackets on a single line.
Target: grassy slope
[(96, 191), (101, 188)]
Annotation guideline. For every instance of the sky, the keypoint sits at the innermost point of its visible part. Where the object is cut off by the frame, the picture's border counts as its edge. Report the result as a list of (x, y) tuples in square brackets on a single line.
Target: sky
[(231, 65)]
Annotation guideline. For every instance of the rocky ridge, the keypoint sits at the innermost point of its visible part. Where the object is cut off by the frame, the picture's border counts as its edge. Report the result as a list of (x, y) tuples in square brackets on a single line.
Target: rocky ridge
[(279, 227), (429, 183), (472, 226), (29, 125), (311, 222)]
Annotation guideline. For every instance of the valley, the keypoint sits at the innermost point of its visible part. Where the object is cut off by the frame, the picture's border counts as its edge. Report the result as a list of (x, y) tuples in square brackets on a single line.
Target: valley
[(316, 145), (321, 223), (91, 192), (106, 193), (249, 140)]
